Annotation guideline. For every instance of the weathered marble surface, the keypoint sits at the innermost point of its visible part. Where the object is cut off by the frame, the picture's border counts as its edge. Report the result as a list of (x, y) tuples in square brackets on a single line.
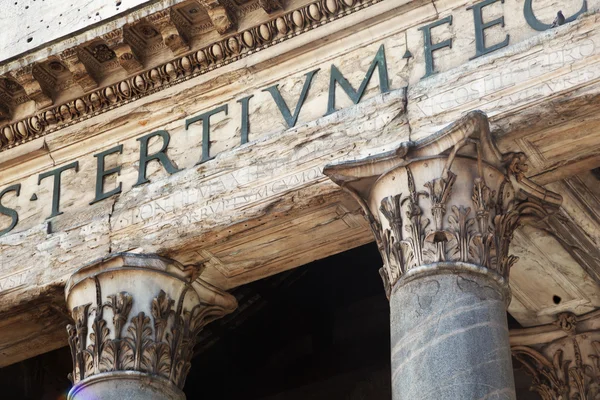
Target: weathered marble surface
[(137, 387), (449, 339)]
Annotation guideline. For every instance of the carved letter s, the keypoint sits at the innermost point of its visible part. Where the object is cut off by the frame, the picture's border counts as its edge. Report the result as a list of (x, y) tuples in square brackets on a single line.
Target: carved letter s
[(9, 211)]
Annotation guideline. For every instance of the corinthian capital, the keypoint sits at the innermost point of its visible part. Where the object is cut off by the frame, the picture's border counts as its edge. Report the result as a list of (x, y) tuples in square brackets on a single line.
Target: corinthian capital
[(136, 321), (446, 200), (562, 358)]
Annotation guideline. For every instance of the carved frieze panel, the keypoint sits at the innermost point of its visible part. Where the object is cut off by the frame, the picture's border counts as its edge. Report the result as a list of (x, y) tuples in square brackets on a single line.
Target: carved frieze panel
[(81, 75), (116, 42), (12, 92), (12, 95), (145, 40), (32, 88), (270, 6), (53, 76), (5, 113), (133, 50), (221, 13), (99, 59), (172, 38)]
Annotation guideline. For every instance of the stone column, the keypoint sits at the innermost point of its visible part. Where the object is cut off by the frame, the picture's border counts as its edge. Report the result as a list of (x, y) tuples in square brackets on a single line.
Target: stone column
[(443, 211), (136, 321), (563, 358)]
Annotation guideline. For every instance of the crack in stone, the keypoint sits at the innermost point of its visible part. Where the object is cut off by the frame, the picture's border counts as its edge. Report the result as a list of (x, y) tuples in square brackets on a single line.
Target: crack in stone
[(49, 152)]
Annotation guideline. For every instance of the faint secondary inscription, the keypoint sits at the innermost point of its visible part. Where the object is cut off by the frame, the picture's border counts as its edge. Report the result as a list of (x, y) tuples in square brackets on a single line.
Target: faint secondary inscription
[(15, 280)]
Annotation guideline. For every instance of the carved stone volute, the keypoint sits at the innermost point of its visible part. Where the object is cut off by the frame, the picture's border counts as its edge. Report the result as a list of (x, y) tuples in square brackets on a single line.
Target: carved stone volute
[(136, 319), (450, 198)]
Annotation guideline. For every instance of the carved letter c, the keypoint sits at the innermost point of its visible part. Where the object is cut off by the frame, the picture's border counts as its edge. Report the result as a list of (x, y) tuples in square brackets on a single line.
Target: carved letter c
[(540, 26)]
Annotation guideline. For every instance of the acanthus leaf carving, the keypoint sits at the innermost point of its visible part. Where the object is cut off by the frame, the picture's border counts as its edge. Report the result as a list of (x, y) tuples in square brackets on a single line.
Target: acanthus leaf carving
[(136, 343), (77, 340), (160, 344), (161, 310), (439, 193), (98, 339), (121, 304), (416, 226), (463, 234), (394, 266)]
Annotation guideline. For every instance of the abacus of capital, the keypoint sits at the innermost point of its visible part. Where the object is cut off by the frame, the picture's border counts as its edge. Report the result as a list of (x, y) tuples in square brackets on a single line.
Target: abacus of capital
[(443, 211)]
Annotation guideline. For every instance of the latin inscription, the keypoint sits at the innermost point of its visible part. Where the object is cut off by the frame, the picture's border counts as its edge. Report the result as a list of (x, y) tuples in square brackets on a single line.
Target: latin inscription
[(290, 112), (533, 67)]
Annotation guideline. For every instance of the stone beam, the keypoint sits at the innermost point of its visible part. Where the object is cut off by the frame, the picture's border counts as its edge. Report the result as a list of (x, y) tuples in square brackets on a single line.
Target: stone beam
[(562, 357), (277, 187), (578, 225), (555, 76), (215, 212)]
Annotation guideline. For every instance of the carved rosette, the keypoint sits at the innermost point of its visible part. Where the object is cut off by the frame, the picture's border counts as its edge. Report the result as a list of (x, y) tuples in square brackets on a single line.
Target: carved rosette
[(564, 359), (138, 313), (451, 198)]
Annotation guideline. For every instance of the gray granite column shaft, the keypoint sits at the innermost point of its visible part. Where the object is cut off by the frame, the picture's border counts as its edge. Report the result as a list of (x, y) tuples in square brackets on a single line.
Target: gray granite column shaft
[(449, 339)]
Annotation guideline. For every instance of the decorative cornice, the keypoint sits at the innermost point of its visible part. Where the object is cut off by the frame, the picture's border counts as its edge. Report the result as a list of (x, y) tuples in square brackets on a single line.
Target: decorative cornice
[(180, 69), (450, 198)]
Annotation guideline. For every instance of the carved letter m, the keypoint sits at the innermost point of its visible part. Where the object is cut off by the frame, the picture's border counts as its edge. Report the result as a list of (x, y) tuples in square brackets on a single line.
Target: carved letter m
[(355, 95)]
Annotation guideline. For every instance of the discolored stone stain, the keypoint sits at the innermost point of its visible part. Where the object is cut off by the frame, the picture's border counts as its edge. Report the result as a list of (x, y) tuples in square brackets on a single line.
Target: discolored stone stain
[(472, 286), (426, 293)]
